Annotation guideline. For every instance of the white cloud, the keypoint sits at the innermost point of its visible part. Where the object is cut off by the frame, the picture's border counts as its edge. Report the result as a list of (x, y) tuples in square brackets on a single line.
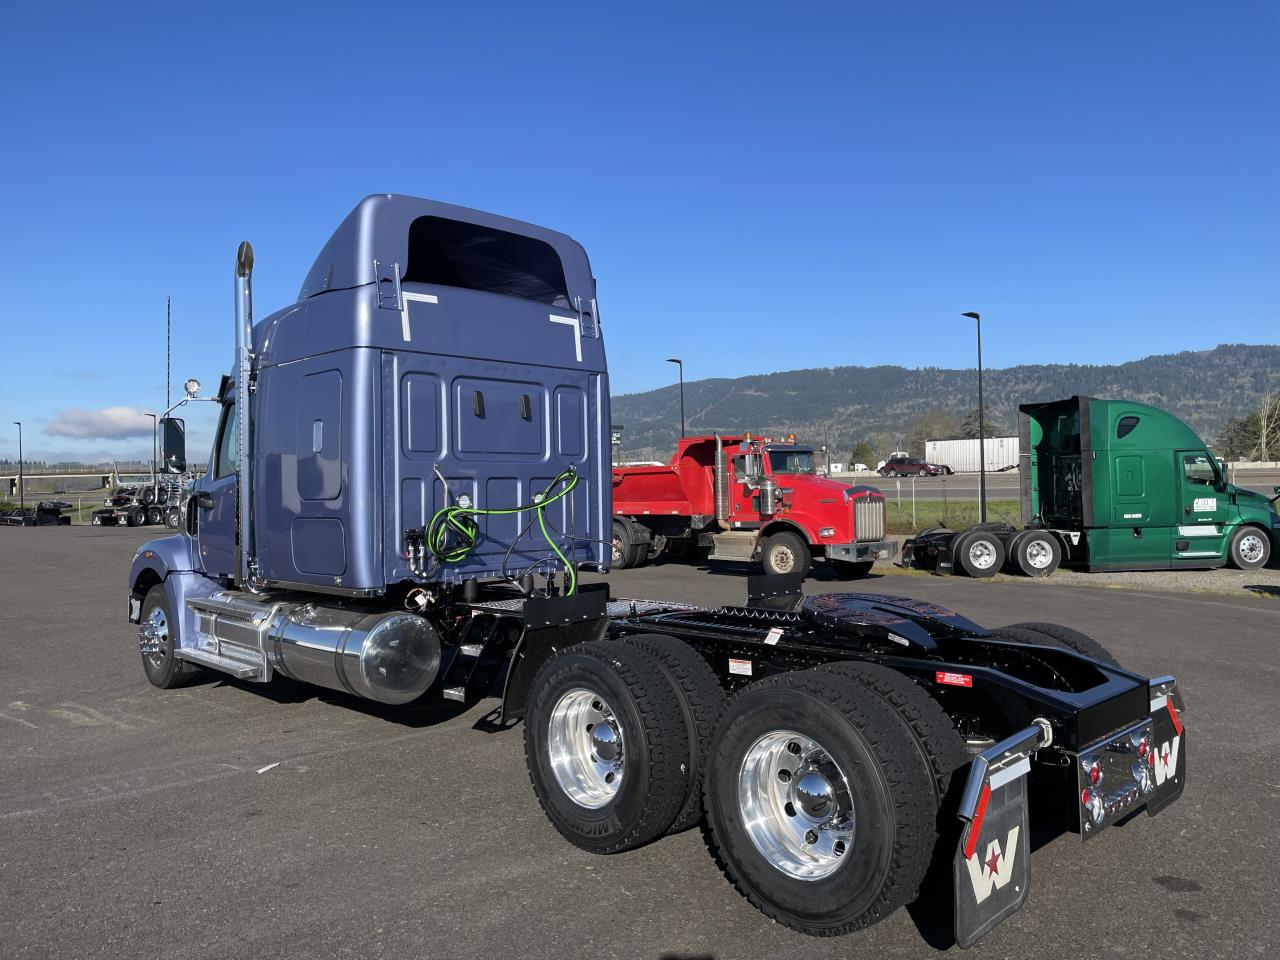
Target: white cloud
[(109, 423)]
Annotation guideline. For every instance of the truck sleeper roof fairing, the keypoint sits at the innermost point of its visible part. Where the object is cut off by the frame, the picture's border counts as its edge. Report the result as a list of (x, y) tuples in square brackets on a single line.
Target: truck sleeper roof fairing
[(379, 229)]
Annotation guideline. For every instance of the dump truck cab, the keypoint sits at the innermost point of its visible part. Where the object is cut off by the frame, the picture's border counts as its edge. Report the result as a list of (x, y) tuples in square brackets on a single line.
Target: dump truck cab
[(747, 498)]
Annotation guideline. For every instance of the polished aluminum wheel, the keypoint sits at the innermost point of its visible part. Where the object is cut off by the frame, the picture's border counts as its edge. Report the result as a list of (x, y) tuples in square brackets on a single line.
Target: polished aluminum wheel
[(796, 805), (1039, 554), (982, 554), (584, 740), (1251, 548), (153, 636)]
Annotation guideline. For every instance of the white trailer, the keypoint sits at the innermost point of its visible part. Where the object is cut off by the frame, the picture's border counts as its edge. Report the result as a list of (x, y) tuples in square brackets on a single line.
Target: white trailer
[(962, 455)]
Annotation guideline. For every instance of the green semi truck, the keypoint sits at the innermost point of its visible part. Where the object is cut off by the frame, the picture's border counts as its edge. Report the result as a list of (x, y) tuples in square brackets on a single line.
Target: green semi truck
[(1112, 485)]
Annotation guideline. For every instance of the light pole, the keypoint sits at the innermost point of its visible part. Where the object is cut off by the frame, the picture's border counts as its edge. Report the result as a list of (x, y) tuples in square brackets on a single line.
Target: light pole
[(154, 422), (982, 428), (22, 497), (680, 363)]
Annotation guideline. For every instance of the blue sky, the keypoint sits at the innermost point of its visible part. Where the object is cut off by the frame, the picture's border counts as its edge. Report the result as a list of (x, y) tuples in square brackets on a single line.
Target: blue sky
[(760, 187)]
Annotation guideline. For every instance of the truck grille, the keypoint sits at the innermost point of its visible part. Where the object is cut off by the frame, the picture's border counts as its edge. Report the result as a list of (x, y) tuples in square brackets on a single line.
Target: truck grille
[(868, 519)]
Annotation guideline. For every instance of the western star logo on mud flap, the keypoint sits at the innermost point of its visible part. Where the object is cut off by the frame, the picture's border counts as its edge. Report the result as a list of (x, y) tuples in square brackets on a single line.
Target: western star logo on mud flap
[(1164, 761), (992, 871)]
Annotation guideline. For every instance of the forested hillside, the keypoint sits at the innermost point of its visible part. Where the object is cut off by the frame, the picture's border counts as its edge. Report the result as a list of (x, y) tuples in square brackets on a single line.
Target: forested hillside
[(840, 406)]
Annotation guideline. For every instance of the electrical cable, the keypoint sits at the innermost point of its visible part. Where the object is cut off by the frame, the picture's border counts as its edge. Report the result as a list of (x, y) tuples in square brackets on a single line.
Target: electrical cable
[(451, 534)]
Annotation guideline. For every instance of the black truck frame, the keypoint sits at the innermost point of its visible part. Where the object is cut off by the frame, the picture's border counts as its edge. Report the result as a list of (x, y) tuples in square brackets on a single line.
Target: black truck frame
[(804, 733)]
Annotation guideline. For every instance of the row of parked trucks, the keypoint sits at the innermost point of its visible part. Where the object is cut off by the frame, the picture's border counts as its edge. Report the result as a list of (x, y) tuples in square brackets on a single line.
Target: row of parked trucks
[(1106, 485), (410, 471)]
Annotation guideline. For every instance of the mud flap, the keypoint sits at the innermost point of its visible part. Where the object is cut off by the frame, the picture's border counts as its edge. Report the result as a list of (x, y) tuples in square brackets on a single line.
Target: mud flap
[(991, 872), (1168, 757)]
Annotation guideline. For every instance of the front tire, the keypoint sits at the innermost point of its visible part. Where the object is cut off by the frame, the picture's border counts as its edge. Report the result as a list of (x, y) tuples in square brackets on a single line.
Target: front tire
[(786, 552), (820, 807), (1250, 549), (606, 746), (157, 641)]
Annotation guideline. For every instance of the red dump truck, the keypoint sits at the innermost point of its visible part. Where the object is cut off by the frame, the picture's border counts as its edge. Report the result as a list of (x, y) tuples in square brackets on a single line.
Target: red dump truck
[(745, 499)]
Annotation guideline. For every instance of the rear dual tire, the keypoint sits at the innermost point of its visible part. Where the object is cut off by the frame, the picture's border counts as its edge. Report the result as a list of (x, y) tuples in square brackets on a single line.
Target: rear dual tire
[(614, 736), (822, 793)]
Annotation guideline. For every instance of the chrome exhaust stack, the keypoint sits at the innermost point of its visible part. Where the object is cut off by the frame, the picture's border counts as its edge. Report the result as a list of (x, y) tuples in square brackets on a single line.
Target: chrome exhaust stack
[(244, 434), (722, 485)]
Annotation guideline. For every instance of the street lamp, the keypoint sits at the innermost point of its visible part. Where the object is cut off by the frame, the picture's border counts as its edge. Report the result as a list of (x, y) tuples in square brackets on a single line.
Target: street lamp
[(154, 423), (982, 431), (22, 498), (680, 363)]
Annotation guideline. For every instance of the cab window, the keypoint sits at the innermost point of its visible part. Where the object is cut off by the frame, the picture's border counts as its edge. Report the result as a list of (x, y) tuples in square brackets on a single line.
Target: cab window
[(791, 461), (1199, 468), (225, 459)]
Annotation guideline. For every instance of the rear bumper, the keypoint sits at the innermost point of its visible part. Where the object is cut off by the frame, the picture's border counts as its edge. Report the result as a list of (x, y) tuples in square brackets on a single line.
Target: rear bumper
[(862, 550), (1142, 766)]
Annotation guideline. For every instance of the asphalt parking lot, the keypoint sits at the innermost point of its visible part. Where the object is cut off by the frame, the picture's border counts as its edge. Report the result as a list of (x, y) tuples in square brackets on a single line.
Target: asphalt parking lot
[(229, 819)]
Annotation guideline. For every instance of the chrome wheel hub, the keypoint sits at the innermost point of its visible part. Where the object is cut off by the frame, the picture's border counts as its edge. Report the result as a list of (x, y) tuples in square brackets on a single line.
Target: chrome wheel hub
[(796, 805), (1251, 548), (585, 747), (1039, 554), (153, 636), (982, 555)]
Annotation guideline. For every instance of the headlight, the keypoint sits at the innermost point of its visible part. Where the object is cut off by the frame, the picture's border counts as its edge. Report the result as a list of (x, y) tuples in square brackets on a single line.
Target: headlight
[(827, 532)]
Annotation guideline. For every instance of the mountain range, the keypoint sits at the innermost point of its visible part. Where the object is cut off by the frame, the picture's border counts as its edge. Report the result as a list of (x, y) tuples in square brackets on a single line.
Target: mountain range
[(840, 406)]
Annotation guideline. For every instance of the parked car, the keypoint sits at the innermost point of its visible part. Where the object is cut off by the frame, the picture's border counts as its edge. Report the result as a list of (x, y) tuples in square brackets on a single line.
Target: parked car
[(906, 466)]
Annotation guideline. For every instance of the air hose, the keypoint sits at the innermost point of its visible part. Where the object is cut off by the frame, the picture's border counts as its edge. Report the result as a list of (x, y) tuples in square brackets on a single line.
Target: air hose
[(451, 534)]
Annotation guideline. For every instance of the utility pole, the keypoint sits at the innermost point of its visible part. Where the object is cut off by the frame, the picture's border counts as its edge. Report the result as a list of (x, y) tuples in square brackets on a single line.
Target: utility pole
[(680, 363), (982, 428)]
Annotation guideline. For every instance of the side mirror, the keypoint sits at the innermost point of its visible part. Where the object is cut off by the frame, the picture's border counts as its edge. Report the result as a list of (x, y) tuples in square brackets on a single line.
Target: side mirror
[(173, 446)]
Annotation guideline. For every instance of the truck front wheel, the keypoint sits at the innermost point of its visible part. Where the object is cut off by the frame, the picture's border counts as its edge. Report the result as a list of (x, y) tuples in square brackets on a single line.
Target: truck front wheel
[(820, 807), (786, 552), (157, 641), (606, 746), (1250, 549)]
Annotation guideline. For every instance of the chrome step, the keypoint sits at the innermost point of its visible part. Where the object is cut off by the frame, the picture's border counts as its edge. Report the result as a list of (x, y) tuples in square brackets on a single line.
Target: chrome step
[(232, 665), (456, 693), (471, 649)]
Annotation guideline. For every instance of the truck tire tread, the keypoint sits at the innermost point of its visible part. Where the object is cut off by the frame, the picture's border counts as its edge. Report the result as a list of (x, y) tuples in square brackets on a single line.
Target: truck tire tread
[(702, 701), (901, 769), (1063, 638), (662, 738)]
